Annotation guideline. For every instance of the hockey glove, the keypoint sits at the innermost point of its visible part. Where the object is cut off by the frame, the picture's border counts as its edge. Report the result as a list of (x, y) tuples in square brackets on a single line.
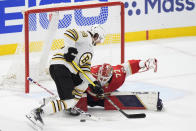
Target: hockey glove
[(71, 54), (97, 89)]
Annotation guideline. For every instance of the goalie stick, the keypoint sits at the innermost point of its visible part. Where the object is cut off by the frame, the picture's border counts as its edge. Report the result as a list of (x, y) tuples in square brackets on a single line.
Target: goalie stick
[(140, 115), (83, 113)]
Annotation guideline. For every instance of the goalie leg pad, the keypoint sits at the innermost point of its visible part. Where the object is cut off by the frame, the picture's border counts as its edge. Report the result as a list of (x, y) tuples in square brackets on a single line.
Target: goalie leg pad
[(124, 100), (135, 100)]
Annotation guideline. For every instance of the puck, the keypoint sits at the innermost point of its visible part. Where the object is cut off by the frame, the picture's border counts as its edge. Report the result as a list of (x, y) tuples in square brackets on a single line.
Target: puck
[(82, 120)]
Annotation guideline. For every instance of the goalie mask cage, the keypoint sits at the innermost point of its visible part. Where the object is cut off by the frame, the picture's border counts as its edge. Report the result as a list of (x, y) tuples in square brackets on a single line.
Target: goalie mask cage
[(57, 11)]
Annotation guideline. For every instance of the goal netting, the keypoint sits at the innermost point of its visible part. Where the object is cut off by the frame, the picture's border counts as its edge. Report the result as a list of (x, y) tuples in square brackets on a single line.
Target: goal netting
[(43, 33)]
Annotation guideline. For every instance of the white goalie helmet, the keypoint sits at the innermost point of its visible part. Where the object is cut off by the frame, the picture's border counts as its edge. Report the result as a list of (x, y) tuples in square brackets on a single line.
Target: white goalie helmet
[(97, 29)]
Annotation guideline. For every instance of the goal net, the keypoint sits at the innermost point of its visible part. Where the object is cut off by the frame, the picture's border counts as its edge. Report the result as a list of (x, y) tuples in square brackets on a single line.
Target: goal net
[(43, 33)]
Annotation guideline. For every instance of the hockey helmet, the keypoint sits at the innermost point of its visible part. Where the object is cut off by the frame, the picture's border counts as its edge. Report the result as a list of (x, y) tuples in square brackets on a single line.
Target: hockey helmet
[(105, 73), (99, 32)]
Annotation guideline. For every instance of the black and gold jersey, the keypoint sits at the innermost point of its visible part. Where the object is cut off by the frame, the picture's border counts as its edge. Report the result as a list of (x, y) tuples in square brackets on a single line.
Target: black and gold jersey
[(82, 41)]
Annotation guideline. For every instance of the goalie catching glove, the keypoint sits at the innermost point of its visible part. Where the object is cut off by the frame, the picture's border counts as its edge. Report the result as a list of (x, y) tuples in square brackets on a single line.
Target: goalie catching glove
[(71, 54), (97, 89), (150, 63)]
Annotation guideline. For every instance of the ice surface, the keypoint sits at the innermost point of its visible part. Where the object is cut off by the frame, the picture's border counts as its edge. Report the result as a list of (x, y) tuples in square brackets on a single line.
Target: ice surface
[(175, 79)]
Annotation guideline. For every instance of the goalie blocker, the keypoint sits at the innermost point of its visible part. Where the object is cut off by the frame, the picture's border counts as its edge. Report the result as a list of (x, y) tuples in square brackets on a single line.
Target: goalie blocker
[(127, 101)]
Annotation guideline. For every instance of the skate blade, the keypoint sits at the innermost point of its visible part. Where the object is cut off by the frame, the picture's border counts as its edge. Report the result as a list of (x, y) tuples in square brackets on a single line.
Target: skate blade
[(33, 124)]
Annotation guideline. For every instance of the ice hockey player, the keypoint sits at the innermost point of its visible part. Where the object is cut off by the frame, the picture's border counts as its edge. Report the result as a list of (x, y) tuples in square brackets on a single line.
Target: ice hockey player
[(112, 78), (69, 82)]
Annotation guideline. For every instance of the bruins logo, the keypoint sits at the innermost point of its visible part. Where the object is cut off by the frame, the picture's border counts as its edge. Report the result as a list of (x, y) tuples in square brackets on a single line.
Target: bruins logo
[(85, 58)]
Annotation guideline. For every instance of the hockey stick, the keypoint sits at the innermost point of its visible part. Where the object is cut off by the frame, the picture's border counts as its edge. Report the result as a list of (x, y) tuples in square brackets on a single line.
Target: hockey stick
[(34, 82), (140, 115)]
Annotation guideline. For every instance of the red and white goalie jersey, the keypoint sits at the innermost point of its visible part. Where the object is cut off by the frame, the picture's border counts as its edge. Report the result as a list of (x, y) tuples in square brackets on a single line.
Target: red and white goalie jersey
[(120, 72), (113, 77)]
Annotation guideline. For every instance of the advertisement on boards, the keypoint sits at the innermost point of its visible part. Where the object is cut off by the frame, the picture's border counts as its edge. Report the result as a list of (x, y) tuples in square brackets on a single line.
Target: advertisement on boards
[(140, 15)]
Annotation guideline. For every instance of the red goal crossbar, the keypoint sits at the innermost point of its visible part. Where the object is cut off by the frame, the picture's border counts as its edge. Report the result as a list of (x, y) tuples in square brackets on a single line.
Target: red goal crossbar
[(31, 11)]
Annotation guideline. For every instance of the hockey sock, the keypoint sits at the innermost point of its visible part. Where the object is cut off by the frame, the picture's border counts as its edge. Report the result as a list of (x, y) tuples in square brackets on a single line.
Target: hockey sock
[(58, 105)]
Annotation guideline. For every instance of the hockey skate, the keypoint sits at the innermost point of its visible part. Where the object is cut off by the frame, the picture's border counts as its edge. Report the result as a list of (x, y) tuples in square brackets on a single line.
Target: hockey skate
[(35, 118), (83, 115), (74, 111)]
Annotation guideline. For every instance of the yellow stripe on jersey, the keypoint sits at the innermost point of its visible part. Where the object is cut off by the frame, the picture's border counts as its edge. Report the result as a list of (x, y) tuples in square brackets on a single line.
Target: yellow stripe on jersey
[(71, 33), (86, 71), (79, 90), (74, 92), (64, 104), (76, 33), (59, 105), (58, 59), (53, 106), (59, 54), (88, 63), (85, 67)]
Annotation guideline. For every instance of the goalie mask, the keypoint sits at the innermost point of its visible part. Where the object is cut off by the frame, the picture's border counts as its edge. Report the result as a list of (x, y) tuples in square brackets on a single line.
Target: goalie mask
[(97, 32), (105, 73)]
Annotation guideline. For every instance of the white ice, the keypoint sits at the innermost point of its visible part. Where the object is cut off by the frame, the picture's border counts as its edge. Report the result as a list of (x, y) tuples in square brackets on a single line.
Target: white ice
[(175, 79)]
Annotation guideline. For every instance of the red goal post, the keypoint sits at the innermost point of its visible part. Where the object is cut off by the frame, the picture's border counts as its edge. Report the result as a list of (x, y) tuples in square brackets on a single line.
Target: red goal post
[(64, 8)]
